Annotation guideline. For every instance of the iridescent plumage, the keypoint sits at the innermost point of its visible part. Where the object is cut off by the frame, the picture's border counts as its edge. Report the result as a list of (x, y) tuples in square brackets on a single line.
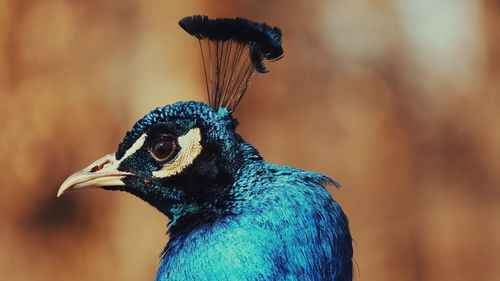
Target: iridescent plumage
[(232, 215)]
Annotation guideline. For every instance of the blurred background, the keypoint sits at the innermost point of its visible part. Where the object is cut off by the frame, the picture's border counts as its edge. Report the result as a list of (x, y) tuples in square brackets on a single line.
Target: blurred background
[(396, 99)]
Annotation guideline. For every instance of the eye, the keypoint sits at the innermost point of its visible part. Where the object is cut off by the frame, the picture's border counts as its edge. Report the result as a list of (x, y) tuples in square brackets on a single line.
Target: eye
[(164, 148)]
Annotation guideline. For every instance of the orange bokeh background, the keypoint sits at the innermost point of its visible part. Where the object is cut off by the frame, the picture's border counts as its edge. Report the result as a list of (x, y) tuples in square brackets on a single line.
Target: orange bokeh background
[(398, 100)]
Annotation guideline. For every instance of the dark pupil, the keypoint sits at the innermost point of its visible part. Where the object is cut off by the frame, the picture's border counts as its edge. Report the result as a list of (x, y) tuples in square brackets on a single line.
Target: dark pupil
[(163, 149)]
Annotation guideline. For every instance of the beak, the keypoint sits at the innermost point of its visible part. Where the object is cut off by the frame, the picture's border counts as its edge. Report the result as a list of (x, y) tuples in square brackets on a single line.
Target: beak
[(103, 172)]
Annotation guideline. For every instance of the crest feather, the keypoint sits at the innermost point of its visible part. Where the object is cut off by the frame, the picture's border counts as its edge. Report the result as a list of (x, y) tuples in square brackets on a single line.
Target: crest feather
[(232, 50)]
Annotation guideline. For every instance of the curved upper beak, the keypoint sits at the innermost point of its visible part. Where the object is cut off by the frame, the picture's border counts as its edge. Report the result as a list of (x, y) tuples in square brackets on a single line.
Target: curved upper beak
[(103, 172)]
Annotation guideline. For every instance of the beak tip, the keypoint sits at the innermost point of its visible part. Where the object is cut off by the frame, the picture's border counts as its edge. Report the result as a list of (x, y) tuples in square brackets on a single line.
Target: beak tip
[(60, 192)]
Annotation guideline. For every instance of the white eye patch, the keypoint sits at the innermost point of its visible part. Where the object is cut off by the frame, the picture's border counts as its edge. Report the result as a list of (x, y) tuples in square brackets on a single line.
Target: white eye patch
[(136, 146), (190, 148)]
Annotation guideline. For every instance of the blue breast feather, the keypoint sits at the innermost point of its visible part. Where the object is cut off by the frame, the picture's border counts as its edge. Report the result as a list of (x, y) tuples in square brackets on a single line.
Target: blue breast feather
[(285, 226)]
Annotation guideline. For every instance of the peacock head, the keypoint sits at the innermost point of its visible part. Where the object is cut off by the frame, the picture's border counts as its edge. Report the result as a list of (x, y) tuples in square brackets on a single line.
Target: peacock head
[(177, 158), (183, 157)]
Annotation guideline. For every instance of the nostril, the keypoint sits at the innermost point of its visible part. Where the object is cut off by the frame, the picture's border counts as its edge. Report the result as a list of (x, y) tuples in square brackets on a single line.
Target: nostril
[(100, 166)]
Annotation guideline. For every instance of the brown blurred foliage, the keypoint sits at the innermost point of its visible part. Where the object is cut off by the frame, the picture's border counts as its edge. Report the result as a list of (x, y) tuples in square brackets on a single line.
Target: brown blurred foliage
[(398, 100)]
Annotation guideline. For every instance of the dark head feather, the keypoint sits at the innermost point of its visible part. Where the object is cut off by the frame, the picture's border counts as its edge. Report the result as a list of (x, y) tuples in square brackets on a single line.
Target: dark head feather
[(227, 69)]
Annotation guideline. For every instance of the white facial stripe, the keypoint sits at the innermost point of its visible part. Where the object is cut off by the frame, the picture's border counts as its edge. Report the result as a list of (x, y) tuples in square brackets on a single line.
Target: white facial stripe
[(136, 146), (190, 149)]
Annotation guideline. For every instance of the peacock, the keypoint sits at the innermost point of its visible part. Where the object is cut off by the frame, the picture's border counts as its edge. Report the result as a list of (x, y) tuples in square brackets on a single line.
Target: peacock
[(231, 215)]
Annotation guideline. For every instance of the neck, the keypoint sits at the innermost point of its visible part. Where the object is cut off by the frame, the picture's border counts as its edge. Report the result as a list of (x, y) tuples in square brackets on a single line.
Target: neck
[(204, 190)]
